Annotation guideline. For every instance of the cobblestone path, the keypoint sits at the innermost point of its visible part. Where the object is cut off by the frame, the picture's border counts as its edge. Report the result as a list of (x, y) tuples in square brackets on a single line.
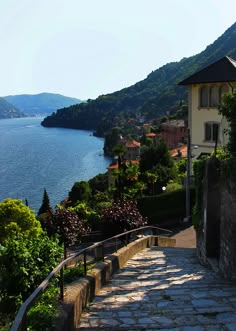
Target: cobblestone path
[(163, 289)]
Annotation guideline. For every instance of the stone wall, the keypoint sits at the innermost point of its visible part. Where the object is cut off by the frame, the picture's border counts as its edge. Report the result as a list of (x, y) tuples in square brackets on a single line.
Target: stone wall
[(216, 234), (227, 260)]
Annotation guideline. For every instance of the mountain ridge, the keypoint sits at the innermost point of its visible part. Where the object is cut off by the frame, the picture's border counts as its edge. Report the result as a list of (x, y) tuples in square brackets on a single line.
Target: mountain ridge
[(41, 103), (153, 96), (7, 110)]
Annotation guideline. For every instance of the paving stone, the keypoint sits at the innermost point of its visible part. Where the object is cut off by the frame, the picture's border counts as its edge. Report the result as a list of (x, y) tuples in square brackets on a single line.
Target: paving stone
[(163, 289), (193, 328), (226, 317), (204, 303), (231, 327)]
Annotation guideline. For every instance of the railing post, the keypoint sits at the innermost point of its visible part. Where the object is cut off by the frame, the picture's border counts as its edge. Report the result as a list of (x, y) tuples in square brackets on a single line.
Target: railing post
[(103, 252), (116, 244), (62, 284), (85, 264), (126, 239)]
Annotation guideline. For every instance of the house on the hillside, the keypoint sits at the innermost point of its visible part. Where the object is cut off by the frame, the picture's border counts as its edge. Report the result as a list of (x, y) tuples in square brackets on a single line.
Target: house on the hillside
[(153, 136), (174, 133), (132, 150), (205, 90)]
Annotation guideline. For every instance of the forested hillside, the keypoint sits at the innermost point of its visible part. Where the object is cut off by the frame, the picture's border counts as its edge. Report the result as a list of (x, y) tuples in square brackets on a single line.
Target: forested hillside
[(7, 110), (153, 96), (40, 104)]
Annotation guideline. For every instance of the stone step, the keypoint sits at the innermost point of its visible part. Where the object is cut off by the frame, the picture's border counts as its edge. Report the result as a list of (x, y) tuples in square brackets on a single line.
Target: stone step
[(163, 289)]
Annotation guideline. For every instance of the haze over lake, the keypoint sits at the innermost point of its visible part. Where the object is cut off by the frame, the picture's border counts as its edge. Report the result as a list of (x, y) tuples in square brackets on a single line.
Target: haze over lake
[(33, 158)]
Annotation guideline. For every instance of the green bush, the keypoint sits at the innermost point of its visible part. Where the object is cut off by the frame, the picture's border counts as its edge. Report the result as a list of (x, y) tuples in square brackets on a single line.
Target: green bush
[(24, 263), (16, 218), (165, 206)]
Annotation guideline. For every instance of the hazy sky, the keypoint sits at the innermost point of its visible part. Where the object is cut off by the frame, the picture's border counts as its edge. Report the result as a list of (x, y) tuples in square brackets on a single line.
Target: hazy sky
[(85, 48)]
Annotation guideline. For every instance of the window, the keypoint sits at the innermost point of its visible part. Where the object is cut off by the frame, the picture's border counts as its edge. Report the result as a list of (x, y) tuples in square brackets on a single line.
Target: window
[(223, 89), (204, 91), (214, 96), (211, 131), (211, 96)]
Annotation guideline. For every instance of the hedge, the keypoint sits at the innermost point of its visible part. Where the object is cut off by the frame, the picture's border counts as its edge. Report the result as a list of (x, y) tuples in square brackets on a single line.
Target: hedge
[(165, 206)]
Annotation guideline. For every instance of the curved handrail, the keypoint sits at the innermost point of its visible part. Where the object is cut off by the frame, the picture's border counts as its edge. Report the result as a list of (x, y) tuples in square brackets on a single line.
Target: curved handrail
[(19, 322)]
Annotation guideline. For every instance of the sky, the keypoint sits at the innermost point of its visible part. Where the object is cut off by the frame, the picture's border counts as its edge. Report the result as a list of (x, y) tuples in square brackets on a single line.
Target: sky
[(85, 48)]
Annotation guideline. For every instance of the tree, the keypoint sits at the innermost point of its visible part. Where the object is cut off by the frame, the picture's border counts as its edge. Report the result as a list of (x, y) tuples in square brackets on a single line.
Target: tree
[(16, 218), (119, 151), (228, 109), (153, 155), (151, 179), (80, 191), (66, 224), (157, 160), (24, 263), (45, 207), (99, 183), (122, 216)]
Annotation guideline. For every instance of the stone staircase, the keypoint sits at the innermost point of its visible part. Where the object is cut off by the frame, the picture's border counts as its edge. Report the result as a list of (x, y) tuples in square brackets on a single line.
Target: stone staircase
[(163, 289)]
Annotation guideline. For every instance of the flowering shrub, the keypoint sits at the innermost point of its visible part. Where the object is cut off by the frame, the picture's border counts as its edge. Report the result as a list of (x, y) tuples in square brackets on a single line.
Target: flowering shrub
[(66, 224), (122, 216)]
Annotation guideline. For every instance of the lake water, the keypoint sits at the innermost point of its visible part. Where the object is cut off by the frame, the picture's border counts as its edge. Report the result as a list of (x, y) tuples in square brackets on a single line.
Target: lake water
[(33, 158)]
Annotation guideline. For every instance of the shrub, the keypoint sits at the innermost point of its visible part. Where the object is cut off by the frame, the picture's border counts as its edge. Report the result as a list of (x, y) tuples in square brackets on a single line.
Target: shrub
[(122, 216), (173, 186), (17, 219), (24, 263), (165, 206), (66, 224)]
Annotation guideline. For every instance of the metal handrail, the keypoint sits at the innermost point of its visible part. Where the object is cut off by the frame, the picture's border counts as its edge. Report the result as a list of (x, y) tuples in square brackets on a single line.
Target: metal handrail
[(20, 320)]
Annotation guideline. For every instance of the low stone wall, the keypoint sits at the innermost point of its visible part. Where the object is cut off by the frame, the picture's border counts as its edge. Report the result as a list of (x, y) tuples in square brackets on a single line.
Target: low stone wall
[(81, 292)]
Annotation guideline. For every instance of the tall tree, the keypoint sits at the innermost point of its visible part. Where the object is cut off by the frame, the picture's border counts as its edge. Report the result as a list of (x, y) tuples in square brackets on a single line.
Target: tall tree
[(45, 207), (154, 155), (119, 151)]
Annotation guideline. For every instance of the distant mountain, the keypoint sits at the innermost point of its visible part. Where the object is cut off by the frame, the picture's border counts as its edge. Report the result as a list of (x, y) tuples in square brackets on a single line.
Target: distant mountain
[(154, 96), (40, 104), (7, 110)]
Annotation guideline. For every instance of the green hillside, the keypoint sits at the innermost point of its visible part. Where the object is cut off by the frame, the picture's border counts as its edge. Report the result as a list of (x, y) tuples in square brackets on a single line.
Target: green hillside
[(40, 104), (153, 96), (7, 110)]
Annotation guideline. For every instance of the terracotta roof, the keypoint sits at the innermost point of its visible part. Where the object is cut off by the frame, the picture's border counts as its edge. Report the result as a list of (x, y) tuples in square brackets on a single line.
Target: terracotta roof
[(151, 134), (182, 149), (115, 166), (223, 70), (132, 143)]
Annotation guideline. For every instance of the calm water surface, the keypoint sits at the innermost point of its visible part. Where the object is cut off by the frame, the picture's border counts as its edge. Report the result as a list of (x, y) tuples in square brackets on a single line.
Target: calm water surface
[(33, 158)]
